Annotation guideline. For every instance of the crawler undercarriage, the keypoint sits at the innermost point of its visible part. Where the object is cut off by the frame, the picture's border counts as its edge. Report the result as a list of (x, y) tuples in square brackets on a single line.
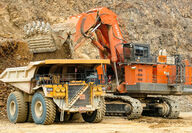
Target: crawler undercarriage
[(132, 108)]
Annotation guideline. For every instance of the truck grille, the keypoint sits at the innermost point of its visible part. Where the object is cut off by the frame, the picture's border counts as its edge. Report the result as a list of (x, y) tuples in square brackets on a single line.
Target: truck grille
[(83, 100)]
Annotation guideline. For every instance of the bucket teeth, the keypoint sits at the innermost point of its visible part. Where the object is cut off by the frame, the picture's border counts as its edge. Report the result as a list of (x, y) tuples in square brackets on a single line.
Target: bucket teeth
[(32, 31), (38, 37), (28, 32), (46, 30), (29, 26), (43, 24), (48, 25), (38, 24), (36, 27), (34, 24), (41, 29)]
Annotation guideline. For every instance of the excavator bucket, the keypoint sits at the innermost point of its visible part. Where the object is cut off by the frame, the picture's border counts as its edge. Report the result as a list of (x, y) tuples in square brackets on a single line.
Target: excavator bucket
[(39, 36), (57, 41)]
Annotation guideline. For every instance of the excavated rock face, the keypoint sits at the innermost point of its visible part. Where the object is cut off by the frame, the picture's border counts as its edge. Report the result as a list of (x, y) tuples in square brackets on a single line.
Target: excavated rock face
[(162, 24)]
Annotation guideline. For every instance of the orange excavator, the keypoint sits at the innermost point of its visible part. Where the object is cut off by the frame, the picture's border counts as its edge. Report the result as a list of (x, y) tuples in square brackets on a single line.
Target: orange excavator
[(139, 76), (138, 81)]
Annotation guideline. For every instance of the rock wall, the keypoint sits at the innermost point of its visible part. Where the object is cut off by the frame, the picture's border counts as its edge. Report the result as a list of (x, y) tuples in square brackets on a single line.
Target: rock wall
[(160, 23), (4, 93)]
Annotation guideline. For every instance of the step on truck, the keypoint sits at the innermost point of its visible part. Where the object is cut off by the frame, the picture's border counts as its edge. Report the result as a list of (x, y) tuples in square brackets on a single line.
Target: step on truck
[(52, 90)]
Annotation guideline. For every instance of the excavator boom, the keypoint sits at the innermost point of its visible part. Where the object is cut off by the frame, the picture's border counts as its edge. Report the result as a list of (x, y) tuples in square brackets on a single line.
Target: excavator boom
[(104, 23)]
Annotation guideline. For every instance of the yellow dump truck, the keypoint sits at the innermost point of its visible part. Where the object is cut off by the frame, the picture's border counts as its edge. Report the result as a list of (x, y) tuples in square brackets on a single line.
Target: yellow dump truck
[(47, 88)]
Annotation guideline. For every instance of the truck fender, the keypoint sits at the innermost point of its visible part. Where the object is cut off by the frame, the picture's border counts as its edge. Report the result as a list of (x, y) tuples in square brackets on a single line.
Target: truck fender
[(40, 87)]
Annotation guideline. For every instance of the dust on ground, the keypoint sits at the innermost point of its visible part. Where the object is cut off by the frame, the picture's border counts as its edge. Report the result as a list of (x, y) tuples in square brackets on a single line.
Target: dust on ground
[(108, 125)]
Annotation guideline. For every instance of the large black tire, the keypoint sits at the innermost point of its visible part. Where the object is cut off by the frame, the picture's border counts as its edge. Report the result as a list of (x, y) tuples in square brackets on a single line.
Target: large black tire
[(97, 115), (16, 107), (43, 109), (29, 114)]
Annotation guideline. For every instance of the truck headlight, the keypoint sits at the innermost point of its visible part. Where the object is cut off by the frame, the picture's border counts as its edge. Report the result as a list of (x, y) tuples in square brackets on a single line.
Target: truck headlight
[(57, 89), (95, 88), (63, 89), (99, 89)]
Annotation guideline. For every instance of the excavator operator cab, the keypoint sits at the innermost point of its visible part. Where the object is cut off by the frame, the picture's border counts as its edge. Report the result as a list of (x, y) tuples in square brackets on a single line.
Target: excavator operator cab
[(137, 53)]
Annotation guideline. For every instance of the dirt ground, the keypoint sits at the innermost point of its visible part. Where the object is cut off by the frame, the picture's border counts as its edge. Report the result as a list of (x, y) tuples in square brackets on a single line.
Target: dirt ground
[(108, 125)]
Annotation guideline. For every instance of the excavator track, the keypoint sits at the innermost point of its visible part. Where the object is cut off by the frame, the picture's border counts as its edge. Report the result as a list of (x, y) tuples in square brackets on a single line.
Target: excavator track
[(170, 108), (134, 110), (174, 109)]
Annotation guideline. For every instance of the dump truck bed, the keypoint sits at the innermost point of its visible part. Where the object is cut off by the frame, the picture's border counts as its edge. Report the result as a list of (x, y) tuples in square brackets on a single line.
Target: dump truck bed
[(20, 77)]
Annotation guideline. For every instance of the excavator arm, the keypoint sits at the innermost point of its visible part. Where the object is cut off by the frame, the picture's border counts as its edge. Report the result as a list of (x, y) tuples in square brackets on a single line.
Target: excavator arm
[(99, 24), (104, 23)]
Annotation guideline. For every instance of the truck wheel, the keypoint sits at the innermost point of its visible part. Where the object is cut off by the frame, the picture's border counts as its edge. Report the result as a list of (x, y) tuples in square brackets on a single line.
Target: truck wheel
[(43, 109), (16, 107), (97, 115)]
